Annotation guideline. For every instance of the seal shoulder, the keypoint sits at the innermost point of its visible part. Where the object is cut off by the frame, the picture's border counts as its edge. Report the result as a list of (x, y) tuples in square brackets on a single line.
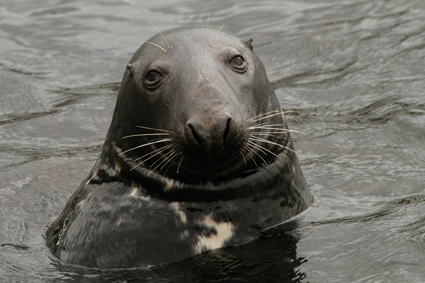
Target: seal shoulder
[(99, 230)]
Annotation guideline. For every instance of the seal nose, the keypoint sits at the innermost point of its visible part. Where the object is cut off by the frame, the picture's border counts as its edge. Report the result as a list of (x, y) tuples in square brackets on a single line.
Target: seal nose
[(212, 137)]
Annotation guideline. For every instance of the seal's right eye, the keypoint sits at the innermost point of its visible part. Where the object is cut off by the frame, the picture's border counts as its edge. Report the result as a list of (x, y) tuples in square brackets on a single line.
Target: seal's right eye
[(238, 64), (153, 78)]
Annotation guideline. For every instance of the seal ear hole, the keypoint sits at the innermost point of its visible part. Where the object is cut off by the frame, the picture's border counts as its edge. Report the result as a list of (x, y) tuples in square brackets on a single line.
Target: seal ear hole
[(247, 42), (238, 63), (153, 78)]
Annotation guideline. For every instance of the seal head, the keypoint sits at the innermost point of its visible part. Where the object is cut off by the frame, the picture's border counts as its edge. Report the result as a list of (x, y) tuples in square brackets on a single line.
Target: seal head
[(198, 156)]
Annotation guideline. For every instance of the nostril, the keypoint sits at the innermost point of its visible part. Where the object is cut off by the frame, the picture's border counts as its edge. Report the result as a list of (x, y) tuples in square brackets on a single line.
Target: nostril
[(226, 131), (195, 135)]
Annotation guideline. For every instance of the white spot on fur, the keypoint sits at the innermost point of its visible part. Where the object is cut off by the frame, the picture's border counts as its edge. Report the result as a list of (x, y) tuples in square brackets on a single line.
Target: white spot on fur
[(169, 185), (120, 220), (176, 207), (117, 167), (136, 193), (214, 241), (91, 177), (184, 234)]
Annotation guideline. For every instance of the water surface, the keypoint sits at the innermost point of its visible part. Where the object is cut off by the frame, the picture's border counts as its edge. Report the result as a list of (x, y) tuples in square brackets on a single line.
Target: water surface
[(351, 71)]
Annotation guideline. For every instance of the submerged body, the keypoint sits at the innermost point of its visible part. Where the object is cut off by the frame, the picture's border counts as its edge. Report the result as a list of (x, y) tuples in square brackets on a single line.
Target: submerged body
[(198, 156)]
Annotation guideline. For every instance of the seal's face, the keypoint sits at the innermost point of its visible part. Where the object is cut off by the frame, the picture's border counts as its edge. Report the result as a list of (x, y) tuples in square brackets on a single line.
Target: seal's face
[(204, 111)]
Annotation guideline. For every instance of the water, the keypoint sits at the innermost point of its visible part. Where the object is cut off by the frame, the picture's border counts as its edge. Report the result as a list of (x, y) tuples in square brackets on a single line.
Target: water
[(352, 72)]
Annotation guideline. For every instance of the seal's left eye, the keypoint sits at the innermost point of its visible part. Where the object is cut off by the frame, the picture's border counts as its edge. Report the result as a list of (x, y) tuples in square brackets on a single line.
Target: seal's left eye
[(238, 63), (153, 77)]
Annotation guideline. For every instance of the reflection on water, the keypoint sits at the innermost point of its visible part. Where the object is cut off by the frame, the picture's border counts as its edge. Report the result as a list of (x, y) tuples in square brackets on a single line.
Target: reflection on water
[(351, 72)]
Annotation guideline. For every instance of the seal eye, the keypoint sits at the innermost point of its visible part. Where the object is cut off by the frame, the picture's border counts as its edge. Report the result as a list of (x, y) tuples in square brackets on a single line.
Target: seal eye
[(153, 78), (238, 63)]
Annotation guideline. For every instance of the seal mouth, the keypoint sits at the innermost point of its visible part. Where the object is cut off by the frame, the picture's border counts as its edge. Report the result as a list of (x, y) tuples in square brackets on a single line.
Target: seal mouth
[(242, 183), (240, 161)]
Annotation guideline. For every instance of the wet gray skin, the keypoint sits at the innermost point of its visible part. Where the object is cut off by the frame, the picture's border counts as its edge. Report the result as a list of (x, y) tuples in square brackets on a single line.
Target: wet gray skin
[(198, 156)]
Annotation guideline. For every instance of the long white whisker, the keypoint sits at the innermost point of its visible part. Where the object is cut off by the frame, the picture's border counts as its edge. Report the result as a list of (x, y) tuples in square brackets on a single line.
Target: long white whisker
[(181, 159), (250, 144), (277, 131), (258, 117), (270, 142), (169, 159), (266, 115), (158, 151), (161, 130), (257, 147), (267, 128), (168, 45), (265, 125), (168, 168), (142, 135), (164, 157), (241, 152), (156, 45), (262, 147), (250, 155), (147, 144)]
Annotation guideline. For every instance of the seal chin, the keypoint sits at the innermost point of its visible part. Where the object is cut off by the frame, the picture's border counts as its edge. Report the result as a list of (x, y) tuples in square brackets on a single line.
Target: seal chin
[(235, 176)]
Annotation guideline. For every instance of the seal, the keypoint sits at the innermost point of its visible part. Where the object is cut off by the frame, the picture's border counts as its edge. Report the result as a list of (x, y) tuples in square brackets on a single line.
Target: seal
[(198, 157)]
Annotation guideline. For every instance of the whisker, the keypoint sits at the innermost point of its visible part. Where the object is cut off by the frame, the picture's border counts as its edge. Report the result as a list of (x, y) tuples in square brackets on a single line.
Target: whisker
[(161, 130), (250, 155), (218, 32), (266, 115), (168, 168), (208, 21), (146, 144), (156, 45), (274, 113), (181, 159), (277, 131), (257, 117), (250, 144), (174, 153), (158, 151), (168, 45), (267, 128), (142, 135), (258, 125), (266, 133), (165, 157), (243, 156), (270, 142), (257, 147), (264, 125), (263, 148)]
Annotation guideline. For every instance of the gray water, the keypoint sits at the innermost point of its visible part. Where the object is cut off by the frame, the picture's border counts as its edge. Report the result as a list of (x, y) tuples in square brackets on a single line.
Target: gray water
[(352, 72)]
